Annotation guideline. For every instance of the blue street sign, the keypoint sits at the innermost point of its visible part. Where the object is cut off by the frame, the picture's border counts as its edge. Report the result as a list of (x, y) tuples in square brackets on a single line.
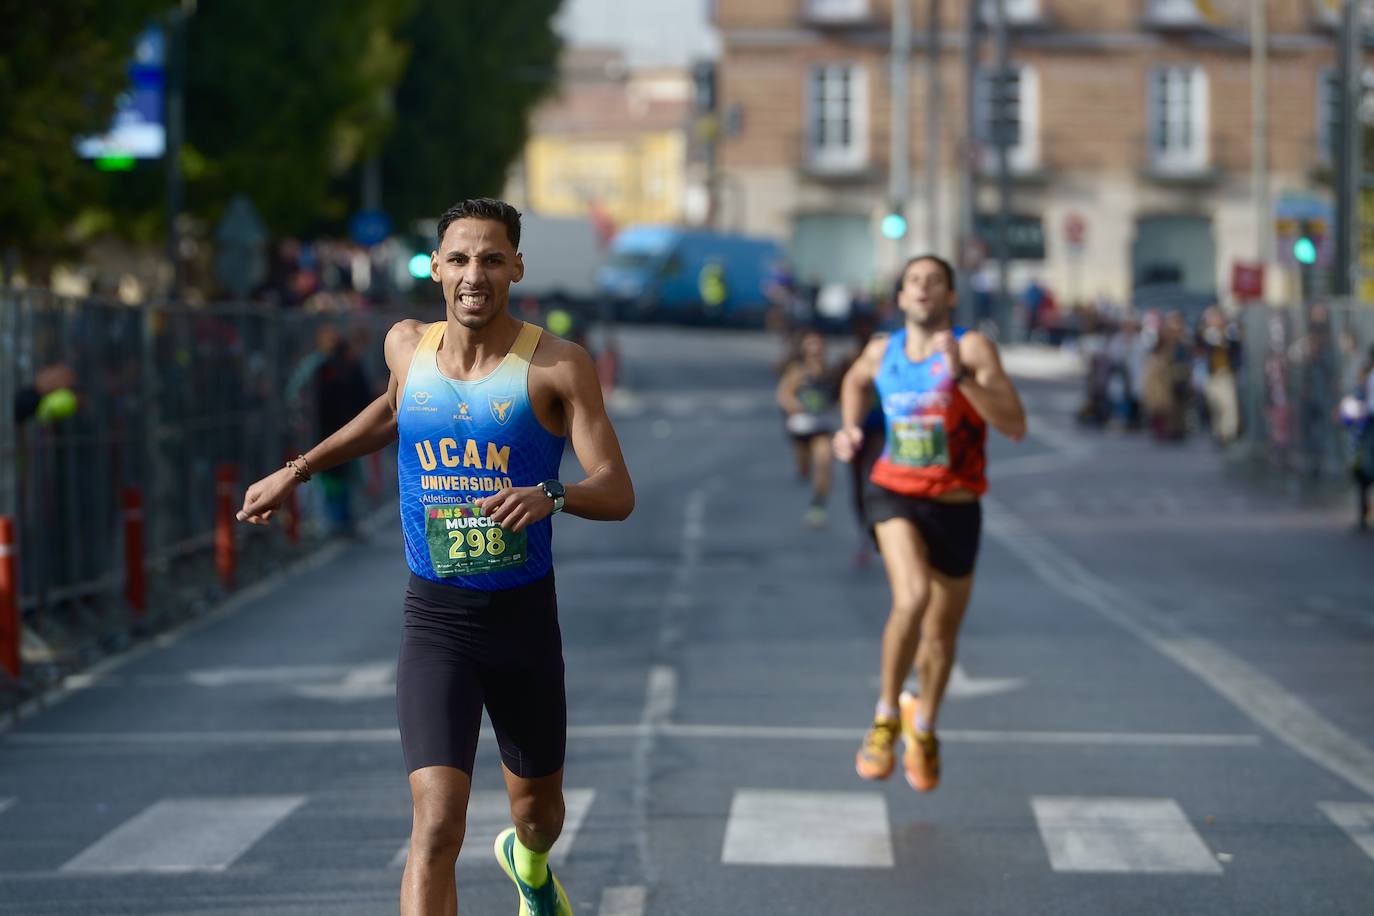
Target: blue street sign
[(369, 227)]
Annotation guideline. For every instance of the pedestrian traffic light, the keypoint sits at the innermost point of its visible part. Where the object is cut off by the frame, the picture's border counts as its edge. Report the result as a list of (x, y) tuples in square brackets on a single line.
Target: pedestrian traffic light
[(1307, 246), (894, 225), (419, 265)]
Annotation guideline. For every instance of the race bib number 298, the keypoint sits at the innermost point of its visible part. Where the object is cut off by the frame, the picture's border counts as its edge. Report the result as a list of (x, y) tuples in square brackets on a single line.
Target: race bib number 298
[(464, 542)]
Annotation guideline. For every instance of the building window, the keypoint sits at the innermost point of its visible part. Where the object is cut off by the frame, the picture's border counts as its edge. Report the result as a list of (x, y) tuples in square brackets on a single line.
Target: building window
[(1019, 123), (1178, 119), (837, 118), (836, 10), (1019, 12)]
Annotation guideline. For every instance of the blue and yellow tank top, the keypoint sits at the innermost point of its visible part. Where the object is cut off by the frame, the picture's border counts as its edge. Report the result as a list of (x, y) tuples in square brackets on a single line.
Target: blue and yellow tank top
[(935, 438), (460, 441)]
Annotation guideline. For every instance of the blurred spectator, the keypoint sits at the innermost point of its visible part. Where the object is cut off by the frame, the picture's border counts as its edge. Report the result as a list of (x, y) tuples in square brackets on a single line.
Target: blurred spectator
[(1318, 387), (1167, 373), (1218, 348), (1127, 350), (341, 392), (51, 396), (1038, 301), (1357, 412)]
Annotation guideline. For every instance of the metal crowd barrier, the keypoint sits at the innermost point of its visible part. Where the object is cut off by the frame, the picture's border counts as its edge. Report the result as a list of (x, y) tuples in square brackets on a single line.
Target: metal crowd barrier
[(118, 511), (1298, 363)]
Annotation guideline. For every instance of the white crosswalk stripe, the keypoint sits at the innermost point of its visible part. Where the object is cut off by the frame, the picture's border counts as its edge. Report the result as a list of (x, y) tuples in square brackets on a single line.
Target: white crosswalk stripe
[(1356, 819), (186, 834), (5, 803), (489, 814), (1121, 835), (826, 829)]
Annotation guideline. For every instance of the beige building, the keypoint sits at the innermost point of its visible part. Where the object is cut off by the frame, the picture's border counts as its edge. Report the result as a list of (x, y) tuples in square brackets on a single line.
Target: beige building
[(1134, 124), (612, 138)]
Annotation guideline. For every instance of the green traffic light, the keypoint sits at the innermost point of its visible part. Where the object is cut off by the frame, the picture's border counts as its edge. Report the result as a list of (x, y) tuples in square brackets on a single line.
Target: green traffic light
[(114, 163), (894, 226), (1305, 251), (419, 266)]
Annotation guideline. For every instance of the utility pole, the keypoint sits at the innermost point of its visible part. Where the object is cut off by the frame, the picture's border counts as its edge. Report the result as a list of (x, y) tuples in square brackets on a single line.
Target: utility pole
[(1002, 140), (899, 168), (1259, 143), (1350, 152), (933, 91), (969, 156)]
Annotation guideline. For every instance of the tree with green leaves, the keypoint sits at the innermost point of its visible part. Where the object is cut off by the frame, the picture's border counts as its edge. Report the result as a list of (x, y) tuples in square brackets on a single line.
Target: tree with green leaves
[(462, 110), (61, 67), (285, 98)]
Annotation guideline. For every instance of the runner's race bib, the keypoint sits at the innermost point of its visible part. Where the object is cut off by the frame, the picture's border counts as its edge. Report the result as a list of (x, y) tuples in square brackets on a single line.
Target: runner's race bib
[(919, 443), (463, 542)]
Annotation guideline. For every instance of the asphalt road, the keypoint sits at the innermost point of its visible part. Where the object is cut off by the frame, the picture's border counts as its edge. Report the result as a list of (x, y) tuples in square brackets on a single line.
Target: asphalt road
[(1163, 703)]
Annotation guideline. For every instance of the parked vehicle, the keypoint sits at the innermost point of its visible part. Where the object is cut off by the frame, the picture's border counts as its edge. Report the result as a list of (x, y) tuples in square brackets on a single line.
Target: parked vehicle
[(662, 273)]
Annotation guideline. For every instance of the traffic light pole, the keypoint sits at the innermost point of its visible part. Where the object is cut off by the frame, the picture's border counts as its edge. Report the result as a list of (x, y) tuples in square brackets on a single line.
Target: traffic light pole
[(1350, 153), (1001, 139), (899, 168), (933, 90)]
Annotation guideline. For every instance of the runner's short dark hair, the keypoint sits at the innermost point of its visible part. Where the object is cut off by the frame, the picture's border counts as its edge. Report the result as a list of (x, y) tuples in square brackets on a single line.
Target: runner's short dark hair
[(944, 265), (483, 208)]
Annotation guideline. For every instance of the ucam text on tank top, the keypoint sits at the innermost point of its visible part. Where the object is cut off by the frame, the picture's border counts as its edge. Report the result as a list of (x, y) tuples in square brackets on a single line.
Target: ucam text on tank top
[(460, 441), (935, 438)]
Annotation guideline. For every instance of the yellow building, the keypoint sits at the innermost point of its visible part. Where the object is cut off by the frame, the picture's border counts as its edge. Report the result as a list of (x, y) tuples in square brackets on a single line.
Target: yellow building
[(611, 139)]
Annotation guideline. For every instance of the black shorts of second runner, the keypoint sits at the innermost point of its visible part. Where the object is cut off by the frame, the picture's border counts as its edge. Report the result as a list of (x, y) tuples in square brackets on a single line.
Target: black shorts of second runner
[(951, 530), (464, 649)]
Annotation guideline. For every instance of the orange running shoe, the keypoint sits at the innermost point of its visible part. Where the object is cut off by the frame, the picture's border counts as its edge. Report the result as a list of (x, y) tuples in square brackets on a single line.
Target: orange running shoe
[(876, 759), (921, 754)]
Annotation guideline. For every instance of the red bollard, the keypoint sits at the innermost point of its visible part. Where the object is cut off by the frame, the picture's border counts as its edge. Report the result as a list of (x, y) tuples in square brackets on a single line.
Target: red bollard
[(225, 560), (10, 632), (608, 368), (135, 583)]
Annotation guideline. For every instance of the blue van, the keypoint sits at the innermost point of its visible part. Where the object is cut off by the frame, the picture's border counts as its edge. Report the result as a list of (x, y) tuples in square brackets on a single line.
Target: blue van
[(663, 273)]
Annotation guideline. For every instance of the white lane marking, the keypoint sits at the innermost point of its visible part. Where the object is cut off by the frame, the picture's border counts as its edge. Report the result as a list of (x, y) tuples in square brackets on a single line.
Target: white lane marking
[(827, 829), (6, 803), (186, 834), (623, 901), (489, 814), (1256, 694), (1356, 819), (1121, 835), (660, 694), (633, 731)]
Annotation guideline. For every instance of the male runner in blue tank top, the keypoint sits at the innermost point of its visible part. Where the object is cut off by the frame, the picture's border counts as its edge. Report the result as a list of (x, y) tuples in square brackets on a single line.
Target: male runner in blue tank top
[(939, 388), (482, 403)]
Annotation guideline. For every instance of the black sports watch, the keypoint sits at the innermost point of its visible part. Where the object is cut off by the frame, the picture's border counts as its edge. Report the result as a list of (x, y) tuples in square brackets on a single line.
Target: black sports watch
[(554, 491)]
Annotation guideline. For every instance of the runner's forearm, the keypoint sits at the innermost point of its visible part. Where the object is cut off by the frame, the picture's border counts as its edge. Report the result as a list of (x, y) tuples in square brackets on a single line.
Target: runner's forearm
[(604, 496), (373, 428), (852, 400), (1001, 409)]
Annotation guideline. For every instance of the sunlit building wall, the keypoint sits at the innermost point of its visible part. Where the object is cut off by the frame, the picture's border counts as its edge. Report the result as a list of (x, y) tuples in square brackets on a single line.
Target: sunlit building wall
[(1134, 122)]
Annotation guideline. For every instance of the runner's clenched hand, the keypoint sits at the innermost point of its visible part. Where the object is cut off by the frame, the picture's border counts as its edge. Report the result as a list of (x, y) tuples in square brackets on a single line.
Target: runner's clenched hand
[(516, 508), (266, 495), (847, 443)]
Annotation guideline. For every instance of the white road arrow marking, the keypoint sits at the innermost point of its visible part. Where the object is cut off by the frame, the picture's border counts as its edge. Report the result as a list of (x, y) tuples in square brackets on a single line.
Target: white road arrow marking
[(962, 686)]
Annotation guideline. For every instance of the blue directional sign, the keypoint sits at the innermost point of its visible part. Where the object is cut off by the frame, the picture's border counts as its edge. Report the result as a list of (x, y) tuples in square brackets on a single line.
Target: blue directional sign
[(369, 227), (138, 131)]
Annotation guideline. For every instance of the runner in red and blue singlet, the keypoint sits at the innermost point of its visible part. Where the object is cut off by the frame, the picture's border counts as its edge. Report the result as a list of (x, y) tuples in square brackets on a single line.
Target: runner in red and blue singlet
[(939, 387)]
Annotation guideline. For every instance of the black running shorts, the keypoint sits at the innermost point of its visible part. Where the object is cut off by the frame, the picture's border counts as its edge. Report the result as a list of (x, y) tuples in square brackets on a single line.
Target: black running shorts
[(465, 649), (951, 530)]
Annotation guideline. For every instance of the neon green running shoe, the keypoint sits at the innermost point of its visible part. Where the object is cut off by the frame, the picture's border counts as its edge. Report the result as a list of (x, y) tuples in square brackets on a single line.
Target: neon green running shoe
[(546, 900)]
